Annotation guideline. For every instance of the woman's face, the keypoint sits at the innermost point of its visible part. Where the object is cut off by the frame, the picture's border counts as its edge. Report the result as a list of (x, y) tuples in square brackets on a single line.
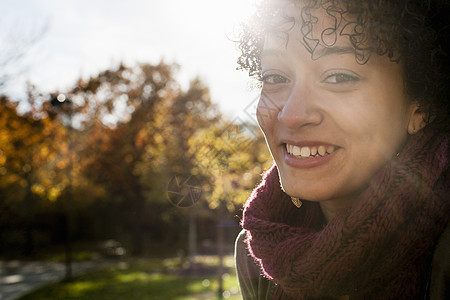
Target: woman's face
[(330, 123)]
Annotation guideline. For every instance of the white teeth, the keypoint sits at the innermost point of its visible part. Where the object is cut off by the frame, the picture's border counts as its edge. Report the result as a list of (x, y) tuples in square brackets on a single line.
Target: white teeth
[(321, 150), (305, 152)]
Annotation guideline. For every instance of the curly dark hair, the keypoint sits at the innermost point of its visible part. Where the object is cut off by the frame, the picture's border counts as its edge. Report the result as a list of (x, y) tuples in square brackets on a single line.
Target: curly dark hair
[(415, 33)]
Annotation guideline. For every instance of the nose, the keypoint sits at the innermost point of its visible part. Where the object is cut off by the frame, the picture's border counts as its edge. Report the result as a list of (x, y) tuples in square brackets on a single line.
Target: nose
[(300, 109)]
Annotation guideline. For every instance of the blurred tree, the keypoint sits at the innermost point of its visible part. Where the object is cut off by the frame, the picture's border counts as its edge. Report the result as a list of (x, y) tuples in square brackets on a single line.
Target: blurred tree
[(232, 155), (131, 130), (183, 115), (131, 149), (144, 130), (31, 163)]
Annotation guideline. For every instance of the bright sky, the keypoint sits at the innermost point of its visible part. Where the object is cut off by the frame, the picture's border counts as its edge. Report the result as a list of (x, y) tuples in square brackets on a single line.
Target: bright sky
[(88, 36)]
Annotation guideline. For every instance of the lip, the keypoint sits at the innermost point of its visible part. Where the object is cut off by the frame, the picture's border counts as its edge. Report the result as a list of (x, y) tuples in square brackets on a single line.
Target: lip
[(306, 163)]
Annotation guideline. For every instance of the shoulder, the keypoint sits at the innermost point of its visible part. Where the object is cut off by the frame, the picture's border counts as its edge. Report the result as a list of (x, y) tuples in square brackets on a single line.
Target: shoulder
[(247, 269), (440, 269), (253, 285)]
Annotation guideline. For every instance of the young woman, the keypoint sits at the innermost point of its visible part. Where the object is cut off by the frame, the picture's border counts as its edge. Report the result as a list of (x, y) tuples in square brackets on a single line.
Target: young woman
[(354, 109)]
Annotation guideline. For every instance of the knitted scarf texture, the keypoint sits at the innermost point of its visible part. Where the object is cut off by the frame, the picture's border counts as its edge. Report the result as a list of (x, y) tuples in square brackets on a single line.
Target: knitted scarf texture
[(380, 247)]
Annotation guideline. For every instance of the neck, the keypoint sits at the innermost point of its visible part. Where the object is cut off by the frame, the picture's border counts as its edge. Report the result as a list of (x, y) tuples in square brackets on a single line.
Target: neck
[(331, 208)]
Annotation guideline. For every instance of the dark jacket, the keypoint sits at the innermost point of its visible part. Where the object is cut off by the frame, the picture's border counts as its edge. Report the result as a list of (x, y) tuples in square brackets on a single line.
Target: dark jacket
[(255, 287)]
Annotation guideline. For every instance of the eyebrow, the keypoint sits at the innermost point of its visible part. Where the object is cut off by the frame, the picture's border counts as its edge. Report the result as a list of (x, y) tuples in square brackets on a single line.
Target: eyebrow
[(336, 50), (320, 53)]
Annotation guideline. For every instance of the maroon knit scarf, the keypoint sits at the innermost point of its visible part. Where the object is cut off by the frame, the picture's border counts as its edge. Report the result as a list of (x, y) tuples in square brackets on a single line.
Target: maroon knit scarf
[(378, 248)]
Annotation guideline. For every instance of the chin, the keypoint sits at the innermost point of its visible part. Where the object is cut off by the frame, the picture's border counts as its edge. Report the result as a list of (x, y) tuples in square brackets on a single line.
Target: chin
[(298, 190)]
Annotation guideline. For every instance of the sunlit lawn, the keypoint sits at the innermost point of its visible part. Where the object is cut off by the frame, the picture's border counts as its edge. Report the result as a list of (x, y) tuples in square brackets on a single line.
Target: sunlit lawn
[(146, 279)]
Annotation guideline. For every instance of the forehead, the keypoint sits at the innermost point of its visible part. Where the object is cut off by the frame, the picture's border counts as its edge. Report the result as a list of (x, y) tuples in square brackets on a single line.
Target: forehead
[(318, 27)]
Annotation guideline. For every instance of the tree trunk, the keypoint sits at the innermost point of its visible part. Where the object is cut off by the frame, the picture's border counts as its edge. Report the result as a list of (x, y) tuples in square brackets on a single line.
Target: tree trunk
[(138, 221), (29, 213), (220, 248), (192, 238)]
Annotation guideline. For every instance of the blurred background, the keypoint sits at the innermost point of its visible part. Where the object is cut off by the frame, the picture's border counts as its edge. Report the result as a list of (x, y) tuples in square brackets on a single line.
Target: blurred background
[(128, 145)]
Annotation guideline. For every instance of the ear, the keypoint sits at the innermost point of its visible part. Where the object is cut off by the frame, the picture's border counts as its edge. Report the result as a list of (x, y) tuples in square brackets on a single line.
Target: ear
[(417, 119)]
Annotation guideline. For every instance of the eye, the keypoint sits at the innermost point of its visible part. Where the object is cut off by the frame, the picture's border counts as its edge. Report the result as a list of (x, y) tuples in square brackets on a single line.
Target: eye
[(341, 78), (274, 79)]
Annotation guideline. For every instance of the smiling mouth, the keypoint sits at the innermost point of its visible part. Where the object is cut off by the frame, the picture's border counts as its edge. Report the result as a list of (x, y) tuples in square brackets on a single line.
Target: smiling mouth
[(309, 151)]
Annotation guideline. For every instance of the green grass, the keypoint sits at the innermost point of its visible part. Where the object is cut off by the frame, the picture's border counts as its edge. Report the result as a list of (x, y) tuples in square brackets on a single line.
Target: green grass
[(76, 256), (146, 279)]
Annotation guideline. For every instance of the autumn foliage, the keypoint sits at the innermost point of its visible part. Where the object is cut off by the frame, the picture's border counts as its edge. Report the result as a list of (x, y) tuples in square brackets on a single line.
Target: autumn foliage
[(107, 152)]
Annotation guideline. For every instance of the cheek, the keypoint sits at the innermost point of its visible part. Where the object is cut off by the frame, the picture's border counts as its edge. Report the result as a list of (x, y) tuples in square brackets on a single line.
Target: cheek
[(266, 114), (354, 120), (376, 128)]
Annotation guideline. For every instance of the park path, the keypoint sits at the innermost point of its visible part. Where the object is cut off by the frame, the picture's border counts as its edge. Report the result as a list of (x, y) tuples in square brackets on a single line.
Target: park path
[(18, 277)]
